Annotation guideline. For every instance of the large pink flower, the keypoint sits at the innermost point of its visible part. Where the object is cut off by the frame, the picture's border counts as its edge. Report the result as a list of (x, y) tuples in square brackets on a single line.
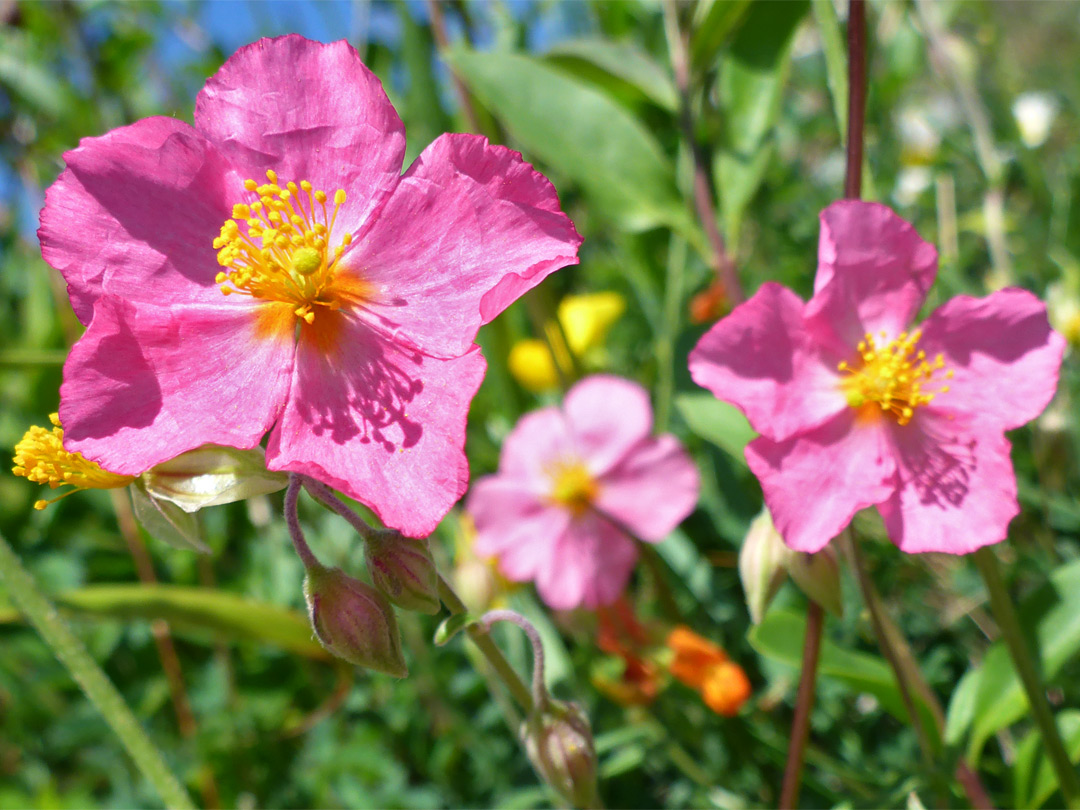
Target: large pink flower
[(856, 409), (271, 269), (575, 485)]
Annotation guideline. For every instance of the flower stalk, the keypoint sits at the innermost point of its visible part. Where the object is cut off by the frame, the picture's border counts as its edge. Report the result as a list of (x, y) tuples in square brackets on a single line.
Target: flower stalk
[(804, 703), (94, 683), (1013, 634)]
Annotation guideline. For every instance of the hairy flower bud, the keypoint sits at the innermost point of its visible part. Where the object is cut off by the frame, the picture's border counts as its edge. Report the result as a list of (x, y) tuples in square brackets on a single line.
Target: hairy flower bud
[(354, 621), (763, 561), (402, 568), (212, 475), (559, 742), (818, 576)]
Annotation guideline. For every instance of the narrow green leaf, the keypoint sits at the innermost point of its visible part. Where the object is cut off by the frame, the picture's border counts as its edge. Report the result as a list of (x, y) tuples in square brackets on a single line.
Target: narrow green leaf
[(714, 21), (835, 52), (780, 637), (718, 422), (961, 707), (196, 611), (1034, 780), (620, 68), (451, 626), (582, 133)]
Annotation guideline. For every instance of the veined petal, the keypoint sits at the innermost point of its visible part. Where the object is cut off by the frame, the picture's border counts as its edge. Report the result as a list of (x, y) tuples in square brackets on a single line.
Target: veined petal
[(816, 482), (1002, 353), (468, 230), (147, 383), (514, 525), (309, 111), (873, 272), (606, 417), (957, 487), (589, 566), (652, 490), (762, 359), (381, 423), (136, 212)]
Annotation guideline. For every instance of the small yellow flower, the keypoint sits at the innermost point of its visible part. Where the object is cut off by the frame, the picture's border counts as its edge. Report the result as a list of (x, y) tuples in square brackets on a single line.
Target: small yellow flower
[(585, 319)]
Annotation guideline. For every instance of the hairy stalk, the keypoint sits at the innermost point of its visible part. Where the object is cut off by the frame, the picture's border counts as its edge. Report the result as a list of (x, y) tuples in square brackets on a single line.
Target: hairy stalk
[(292, 520), (539, 691), (804, 703), (1013, 633), (94, 683)]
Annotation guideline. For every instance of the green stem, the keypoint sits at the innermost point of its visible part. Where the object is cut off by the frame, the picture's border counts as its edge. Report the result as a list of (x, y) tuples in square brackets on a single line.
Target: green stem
[(483, 641), (94, 683), (1001, 604)]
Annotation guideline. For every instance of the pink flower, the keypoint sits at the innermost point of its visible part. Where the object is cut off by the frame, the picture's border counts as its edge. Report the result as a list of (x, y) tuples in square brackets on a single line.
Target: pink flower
[(575, 485), (856, 409), (270, 269)]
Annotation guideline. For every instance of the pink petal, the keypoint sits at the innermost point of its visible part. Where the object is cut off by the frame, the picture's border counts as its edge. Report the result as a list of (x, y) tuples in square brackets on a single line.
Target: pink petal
[(957, 487), (606, 417), (309, 111), (873, 271), (652, 489), (136, 211), (147, 383), (815, 483), (762, 359), (590, 565), (381, 423), (538, 440), (1003, 354), (469, 229), (514, 525)]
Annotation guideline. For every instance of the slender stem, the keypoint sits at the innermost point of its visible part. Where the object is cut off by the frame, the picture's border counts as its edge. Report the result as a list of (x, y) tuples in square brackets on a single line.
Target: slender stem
[(1013, 633), (539, 690), (804, 703), (703, 198), (325, 495), (292, 519), (442, 41), (489, 649), (856, 97), (94, 683)]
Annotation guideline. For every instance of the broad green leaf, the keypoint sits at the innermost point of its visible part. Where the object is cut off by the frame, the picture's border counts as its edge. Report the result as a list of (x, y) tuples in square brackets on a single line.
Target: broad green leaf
[(1054, 612), (780, 637), (1034, 780), (961, 707), (200, 611), (618, 67), (714, 20), (718, 422), (581, 132), (750, 84), (166, 521)]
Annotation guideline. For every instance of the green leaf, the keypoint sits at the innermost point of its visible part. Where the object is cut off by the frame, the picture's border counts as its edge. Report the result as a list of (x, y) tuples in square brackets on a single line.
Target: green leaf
[(1034, 780), (714, 20), (21, 71), (196, 611), (166, 521), (451, 626), (718, 422), (1054, 612), (620, 68), (780, 637), (582, 133), (750, 84), (961, 708)]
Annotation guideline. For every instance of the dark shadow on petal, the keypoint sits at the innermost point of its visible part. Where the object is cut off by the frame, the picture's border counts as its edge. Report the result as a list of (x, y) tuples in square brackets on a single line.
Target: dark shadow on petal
[(937, 462)]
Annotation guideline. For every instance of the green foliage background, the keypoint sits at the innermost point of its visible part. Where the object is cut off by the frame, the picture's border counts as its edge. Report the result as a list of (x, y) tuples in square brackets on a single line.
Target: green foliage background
[(594, 105)]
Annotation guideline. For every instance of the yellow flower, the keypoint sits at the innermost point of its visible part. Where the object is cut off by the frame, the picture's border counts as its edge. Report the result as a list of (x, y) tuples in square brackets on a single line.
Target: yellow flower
[(585, 319)]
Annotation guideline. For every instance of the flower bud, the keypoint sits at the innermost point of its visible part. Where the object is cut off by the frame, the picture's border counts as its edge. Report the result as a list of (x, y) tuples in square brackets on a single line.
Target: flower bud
[(818, 576), (212, 475), (402, 568), (354, 621), (763, 561), (559, 742)]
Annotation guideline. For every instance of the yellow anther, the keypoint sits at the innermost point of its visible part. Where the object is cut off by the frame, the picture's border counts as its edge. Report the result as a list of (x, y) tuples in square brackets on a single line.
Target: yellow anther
[(271, 175), (320, 196), (41, 458), (339, 197), (241, 211), (305, 185), (250, 185)]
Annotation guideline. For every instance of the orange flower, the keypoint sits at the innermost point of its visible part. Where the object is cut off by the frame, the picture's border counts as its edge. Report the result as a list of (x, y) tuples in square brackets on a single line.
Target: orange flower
[(704, 666)]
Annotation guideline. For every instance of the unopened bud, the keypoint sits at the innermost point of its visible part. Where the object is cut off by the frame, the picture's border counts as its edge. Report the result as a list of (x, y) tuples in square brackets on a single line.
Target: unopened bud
[(354, 621), (402, 568), (763, 561), (559, 742), (212, 475), (818, 576)]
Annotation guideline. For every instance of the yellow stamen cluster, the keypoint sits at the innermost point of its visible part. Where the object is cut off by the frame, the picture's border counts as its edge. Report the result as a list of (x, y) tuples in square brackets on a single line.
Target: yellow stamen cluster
[(281, 251), (573, 486), (893, 375), (41, 457)]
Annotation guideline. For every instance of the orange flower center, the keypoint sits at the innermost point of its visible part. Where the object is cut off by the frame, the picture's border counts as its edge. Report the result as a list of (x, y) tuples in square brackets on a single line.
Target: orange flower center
[(277, 248), (895, 377)]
